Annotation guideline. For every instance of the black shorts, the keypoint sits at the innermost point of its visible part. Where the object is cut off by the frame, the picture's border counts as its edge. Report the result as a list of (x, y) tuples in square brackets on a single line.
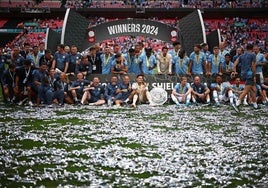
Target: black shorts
[(200, 100), (94, 99), (250, 81)]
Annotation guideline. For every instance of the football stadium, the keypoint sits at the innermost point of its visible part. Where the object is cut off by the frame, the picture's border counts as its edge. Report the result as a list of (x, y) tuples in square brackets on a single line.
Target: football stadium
[(133, 93)]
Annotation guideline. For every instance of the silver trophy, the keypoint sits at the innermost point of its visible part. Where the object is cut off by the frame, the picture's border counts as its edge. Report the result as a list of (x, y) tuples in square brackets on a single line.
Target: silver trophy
[(159, 95)]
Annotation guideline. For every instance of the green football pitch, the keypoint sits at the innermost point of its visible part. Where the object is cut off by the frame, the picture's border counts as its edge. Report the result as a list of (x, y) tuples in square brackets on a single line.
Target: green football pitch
[(163, 146)]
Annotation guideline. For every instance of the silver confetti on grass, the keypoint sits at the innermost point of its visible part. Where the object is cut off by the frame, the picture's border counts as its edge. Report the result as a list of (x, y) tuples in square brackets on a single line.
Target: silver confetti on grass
[(149, 146)]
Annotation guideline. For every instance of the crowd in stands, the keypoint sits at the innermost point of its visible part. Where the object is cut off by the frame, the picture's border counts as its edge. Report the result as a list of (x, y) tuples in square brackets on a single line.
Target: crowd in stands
[(164, 4), (31, 4), (133, 4), (33, 31), (235, 31), (41, 24)]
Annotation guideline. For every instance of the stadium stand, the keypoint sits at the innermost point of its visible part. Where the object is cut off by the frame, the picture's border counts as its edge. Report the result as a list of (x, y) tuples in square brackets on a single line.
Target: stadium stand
[(133, 4), (11, 23), (164, 4), (234, 31), (49, 4), (3, 22), (7, 38), (16, 3), (31, 4)]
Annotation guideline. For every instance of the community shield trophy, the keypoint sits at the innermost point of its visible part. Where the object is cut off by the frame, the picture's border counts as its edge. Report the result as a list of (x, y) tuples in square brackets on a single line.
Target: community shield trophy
[(159, 95)]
